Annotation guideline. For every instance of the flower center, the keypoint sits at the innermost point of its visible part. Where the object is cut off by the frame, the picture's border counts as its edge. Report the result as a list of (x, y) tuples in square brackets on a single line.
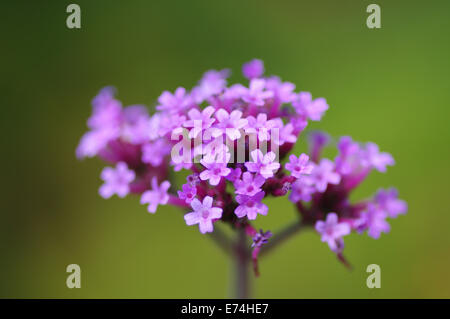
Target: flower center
[(250, 203), (205, 214), (250, 189)]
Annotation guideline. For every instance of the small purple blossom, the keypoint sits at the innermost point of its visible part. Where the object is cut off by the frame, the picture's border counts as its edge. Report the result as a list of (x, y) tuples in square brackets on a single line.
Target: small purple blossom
[(249, 184), (117, 180), (324, 174), (317, 140), (203, 214), (154, 152), (283, 91), (234, 175), (387, 200), (299, 166), (199, 121), (378, 160), (256, 94), (286, 133), (250, 206), (263, 164), (174, 102), (229, 123), (253, 69), (214, 172), (156, 196), (260, 126), (309, 108), (261, 238), (187, 193), (332, 231), (301, 190), (373, 219)]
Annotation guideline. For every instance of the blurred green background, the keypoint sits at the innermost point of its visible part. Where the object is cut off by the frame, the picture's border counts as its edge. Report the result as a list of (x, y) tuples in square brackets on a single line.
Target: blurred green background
[(390, 86)]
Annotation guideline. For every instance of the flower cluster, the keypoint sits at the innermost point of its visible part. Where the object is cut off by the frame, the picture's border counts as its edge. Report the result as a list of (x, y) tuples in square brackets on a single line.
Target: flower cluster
[(235, 141)]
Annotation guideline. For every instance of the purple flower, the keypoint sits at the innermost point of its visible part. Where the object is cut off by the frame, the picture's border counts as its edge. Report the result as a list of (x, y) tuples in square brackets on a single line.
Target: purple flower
[(376, 159), (250, 206), (323, 174), (199, 121), (136, 125), (387, 200), (260, 125), (234, 175), (117, 180), (263, 164), (256, 94), (301, 190), (332, 231), (299, 165), (317, 140), (230, 124), (309, 108), (249, 185), (154, 152), (156, 196), (261, 238), (286, 133), (203, 214), (253, 69), (93, 142), (176, 102), (349, 159), (283, 91), (214, 172), (107, 111), (374, 221), (187, 193), (213, 82)]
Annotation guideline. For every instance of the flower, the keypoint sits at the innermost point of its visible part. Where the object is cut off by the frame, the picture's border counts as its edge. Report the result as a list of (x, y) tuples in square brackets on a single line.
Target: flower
[(187, 193), (253, 69), (117, 180), (299, 165), (173, 102), (203, 214), (387, 200), (376, 159), (374, 221), (249, 184), (256, 94), (230, 124), (324, 174), (283, 91), (260, 126), (263, 164), (309, 108), (205, 124), (332, 231), (154, 152), (317, 140), (301, 190), (261, 238), (213, 82), (156, 196), (199, 120), (250, 206), (214, 172), (286, 133)]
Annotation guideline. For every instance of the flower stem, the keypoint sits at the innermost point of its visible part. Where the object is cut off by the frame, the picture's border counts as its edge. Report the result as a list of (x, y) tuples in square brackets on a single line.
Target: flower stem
[(241, 259)]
